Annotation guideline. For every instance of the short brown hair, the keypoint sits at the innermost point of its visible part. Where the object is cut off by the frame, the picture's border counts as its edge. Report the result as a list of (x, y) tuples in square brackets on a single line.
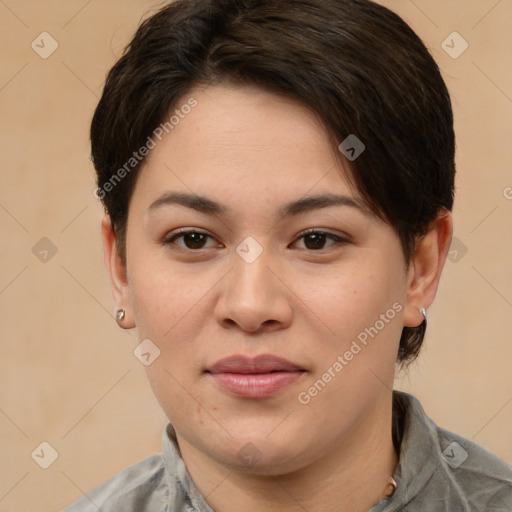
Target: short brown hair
[(355, 63)]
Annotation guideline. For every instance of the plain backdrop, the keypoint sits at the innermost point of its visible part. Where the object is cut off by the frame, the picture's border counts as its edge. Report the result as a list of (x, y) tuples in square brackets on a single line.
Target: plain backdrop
[(68, 374)]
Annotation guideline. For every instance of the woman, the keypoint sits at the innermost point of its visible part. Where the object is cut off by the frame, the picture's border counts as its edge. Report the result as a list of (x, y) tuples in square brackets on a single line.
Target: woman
[(278, 182)]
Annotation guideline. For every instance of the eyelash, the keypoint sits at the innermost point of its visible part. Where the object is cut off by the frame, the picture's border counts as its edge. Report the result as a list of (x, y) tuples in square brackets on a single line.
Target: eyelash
[(180, 233)]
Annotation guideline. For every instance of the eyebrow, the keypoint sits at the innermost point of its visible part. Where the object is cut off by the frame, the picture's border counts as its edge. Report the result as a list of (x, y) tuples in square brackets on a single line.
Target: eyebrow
[(209, 207)]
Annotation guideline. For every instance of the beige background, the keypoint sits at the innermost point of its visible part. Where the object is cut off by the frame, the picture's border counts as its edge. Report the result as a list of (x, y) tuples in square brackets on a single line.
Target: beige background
[(68, 375)]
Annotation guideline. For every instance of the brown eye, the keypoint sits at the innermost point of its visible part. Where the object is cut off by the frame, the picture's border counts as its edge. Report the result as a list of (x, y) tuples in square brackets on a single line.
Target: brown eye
[(192, 240), (315, 240)]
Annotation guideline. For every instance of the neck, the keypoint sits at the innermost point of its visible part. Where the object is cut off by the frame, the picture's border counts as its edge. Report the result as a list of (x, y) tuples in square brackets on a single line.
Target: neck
[(351, 477)]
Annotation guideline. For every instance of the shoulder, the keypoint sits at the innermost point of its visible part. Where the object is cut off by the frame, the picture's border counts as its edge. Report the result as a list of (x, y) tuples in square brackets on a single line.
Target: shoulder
[(447, 472), (477, 475), (140, 487)]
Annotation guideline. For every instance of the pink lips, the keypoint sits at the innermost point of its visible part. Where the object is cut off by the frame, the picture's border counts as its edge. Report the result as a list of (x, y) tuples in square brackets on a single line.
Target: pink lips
[(257, 377)]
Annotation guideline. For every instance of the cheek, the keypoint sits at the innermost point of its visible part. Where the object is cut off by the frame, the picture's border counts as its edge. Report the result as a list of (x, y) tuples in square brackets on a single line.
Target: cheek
[(357, 363), (166, 298), (351, 297), (364, 309), (168, 308)]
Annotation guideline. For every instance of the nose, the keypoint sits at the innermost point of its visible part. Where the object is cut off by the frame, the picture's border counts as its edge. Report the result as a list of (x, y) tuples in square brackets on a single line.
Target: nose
[(254, 297)]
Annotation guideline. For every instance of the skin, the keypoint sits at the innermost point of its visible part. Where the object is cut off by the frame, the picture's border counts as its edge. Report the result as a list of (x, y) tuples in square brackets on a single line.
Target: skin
[(254, 151)]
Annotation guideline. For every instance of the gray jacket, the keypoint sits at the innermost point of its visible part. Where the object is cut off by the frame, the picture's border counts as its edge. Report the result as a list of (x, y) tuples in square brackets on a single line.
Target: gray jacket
[(438, 472)]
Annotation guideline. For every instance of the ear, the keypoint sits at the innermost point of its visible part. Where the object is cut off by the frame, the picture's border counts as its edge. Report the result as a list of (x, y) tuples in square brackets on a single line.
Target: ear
[(117, 273), (426, 266)]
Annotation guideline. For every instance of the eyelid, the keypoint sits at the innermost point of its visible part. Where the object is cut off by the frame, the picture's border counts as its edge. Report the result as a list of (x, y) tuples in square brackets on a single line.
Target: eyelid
[(338, 239), (180, 231), (342, 236), (167, 240)]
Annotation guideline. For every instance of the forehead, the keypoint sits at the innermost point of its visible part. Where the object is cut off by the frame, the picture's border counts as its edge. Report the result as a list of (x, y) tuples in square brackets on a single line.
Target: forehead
[(243, 143)]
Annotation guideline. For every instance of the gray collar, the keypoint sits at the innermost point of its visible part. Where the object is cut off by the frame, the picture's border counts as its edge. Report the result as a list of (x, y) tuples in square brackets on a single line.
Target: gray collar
[(414, 432)]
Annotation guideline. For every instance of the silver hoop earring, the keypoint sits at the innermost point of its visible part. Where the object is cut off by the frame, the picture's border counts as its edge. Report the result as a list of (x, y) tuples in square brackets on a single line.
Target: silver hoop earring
[(424, 313), (120, 314)]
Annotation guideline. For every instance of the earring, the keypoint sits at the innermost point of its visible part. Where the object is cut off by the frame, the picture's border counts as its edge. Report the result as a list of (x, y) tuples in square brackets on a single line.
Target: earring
[(120, 314), (424, 313), (390, 488)]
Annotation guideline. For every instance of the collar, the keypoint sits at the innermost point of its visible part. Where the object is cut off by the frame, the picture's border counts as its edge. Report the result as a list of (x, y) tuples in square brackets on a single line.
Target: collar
[(414, 435), (416, 440), (181, 487)]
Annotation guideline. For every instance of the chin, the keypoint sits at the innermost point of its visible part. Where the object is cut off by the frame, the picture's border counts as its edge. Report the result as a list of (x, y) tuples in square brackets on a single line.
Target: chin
[(262, 456)]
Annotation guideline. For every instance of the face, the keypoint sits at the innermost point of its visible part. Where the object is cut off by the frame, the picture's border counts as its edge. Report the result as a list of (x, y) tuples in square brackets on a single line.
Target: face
[(307, 297)]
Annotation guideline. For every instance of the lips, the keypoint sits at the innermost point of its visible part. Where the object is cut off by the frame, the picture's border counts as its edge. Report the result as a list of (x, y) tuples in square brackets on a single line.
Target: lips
[(256, 365), (258, 377)]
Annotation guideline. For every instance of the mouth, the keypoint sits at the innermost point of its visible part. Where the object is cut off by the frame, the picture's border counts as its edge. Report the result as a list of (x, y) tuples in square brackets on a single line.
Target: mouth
[(265, 363), (257, 377)]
